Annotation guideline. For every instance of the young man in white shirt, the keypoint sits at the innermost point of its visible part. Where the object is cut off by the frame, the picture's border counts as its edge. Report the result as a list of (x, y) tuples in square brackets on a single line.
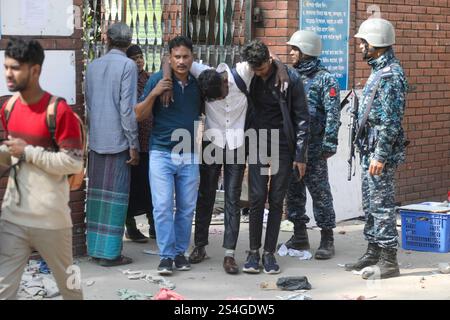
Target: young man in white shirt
[(226, 109)]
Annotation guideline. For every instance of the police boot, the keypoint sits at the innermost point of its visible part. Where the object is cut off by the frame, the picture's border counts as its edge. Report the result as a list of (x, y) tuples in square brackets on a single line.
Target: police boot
[(299, 241), (369, 258), (387, 267), (326, 248)]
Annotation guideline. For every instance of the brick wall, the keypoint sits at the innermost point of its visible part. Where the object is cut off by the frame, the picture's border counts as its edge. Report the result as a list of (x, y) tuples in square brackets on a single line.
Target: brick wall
[(76, 198), (423, 46)]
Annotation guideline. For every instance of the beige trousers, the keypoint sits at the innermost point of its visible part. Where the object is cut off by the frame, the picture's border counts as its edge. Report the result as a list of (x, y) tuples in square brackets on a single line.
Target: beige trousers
[(55, 247)]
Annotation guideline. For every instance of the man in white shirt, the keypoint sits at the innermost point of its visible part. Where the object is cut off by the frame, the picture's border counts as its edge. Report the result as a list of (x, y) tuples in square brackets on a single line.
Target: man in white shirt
[(226, 109)]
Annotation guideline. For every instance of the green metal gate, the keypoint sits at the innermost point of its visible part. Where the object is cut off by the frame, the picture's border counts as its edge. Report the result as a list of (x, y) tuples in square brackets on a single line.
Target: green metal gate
[(218, 28)]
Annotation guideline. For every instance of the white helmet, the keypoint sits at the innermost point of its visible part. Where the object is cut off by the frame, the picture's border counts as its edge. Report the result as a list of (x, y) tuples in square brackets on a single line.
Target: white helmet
[(308, 42), (377, 32)]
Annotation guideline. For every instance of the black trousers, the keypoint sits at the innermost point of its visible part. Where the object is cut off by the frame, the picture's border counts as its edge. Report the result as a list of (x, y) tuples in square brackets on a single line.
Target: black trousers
[(276, 191), (209, 177), (140, 200)]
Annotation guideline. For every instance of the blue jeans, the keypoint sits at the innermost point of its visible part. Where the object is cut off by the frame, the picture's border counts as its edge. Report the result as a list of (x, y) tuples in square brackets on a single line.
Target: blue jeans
[(168, 173)]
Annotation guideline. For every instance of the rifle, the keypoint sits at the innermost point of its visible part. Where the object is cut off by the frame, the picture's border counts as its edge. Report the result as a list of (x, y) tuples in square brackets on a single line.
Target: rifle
[(352, 128)]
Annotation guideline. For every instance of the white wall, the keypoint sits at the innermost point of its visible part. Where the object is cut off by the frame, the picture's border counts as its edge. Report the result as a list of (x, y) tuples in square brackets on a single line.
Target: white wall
[(58, 74), (37, 17)]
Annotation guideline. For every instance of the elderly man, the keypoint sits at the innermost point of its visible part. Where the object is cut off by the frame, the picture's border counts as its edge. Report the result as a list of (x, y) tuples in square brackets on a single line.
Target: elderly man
[(111, 91)]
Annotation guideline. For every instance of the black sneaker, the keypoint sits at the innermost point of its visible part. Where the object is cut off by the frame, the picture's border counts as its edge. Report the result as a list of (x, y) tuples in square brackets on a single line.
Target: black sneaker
[(165, 266), (270, 264), (252, 263), (181, 263)]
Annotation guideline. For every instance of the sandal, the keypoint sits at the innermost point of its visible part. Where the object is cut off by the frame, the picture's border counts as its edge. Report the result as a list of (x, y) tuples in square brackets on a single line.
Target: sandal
[(121, 260)]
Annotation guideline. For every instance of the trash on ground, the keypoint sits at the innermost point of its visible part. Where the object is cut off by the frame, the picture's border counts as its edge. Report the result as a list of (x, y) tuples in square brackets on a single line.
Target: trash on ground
[(347, 297), (43, 267), (37, 285), (342, 265), (342, 232), (161, 281), (293, 283), (444, 268), (90, 283), (302, 255), (286, 226), (167, 294), (151, 252), (296, 296), (268, 286), (358, 273), (127, 294)]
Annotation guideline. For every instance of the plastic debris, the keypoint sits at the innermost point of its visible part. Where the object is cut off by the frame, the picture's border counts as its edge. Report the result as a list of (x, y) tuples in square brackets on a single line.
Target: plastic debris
[(167, 294), (369, 269), (293, 283), (302, 255), (127, 294), (342, 265), (296, 296), (141, 275), (90, 283), (151, 252), (37, 285), (43, 267), (268, 286), (286, 226), (346, 297), (161, 281), (444, 268)]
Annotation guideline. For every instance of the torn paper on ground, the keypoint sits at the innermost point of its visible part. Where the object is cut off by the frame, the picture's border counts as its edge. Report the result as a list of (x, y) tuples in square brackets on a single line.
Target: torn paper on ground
[(302, 255)]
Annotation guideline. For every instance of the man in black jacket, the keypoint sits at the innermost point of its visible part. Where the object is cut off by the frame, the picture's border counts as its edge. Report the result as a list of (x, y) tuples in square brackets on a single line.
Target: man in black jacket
[(281, 122)]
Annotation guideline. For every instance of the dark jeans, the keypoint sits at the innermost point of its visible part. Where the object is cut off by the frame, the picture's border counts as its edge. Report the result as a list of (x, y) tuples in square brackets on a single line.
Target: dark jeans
[(259, 190), (140, 200), (209, 177)]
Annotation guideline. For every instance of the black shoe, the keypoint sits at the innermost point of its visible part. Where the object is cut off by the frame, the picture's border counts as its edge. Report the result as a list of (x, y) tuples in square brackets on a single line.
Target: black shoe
[(299, 240), (197, 255), (369, 258), (181, 263), (326, 248), (387, 266), (165, 266), (121, 260), (252, 263), (270, 264)]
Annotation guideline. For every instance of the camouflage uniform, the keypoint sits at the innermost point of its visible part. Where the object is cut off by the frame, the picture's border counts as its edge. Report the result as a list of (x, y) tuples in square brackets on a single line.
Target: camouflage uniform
[(322, 90), (385, 142)]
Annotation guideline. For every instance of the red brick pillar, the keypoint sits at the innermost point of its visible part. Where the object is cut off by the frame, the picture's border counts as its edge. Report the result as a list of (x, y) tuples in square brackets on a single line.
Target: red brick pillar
[(280, 21)]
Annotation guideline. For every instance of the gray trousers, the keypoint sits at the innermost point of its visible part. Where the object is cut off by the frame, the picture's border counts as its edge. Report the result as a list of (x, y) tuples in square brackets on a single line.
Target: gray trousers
[(55, 247)]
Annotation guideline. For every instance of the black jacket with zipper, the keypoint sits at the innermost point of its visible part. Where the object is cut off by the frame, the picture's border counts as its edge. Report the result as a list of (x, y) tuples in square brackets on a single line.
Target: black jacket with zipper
[(294, 109)]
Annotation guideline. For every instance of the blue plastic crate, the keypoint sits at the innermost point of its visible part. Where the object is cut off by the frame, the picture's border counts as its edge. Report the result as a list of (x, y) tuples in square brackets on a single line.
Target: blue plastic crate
[(425, 231)]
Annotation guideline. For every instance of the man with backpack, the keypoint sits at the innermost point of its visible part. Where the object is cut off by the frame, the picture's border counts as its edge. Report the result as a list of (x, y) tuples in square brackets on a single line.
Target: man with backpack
[(35, 209), (225, 94)]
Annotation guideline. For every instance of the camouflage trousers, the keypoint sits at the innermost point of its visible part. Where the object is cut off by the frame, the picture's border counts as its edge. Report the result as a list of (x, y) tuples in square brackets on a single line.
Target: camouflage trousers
[(316, 180), (378, 200)]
